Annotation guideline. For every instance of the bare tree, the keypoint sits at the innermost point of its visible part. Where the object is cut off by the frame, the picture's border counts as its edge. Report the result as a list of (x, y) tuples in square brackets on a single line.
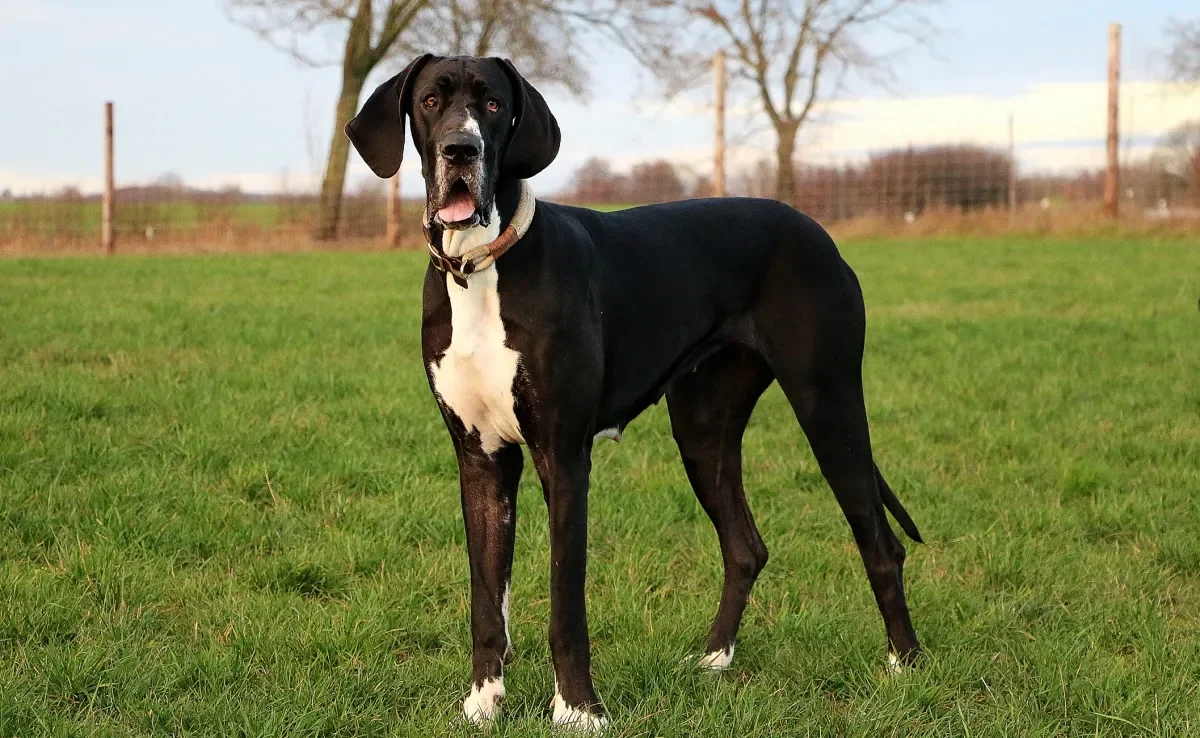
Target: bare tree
[(789, 54), (1179, 154), (541, 37), (1184, 58), (596, 182), (656, 181), (371, 28)]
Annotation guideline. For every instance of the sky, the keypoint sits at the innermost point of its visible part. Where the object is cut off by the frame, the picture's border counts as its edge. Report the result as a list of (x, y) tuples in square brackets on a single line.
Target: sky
[(199, 96)]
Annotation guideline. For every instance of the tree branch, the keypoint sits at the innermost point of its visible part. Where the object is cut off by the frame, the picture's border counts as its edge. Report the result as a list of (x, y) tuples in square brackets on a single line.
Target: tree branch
[(399, 15), (1184, 57)]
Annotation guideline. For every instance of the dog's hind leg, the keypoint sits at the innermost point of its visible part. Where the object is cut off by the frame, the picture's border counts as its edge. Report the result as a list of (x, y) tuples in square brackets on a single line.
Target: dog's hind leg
[(709, 408), (812, 323), (834, 418)]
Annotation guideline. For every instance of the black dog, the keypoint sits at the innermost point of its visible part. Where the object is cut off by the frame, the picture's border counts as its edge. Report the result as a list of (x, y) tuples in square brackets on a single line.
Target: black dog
[(588, 320)]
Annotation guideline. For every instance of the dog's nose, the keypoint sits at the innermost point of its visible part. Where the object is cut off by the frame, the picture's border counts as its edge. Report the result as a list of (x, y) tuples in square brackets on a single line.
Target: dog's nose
[(461, 147)]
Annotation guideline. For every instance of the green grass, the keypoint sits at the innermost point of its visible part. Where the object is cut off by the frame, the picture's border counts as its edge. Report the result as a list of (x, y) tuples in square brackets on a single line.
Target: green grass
[(229, 507)]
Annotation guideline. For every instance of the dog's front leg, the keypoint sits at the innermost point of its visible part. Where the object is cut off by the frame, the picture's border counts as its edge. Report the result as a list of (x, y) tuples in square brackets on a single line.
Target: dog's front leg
[(565, 485), (489, 503)]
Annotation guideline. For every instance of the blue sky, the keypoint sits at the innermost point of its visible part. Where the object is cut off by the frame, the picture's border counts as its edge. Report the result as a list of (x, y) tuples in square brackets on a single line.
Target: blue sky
[(204, 98)]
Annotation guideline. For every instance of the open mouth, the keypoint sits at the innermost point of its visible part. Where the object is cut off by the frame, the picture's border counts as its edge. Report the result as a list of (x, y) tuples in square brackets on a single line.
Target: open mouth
[(459, 208)]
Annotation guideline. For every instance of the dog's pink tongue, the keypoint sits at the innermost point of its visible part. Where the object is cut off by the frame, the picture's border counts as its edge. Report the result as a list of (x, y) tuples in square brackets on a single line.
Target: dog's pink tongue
[(458, 208)]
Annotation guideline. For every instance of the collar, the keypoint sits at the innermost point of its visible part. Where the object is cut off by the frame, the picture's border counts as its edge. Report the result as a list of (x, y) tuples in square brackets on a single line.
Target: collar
[(482, 257)]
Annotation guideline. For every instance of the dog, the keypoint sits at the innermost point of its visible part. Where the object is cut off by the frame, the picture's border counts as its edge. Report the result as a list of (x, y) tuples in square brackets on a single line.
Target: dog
[(552, 326)]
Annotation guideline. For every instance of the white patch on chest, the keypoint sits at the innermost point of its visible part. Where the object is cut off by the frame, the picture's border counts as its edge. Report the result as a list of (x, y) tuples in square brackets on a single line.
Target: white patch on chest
[(474, 378)]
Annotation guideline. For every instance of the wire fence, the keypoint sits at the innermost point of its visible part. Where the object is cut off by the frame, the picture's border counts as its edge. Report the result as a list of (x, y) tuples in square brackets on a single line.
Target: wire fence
[(898, 188), (892, 190), (164, 200), (152, 218), (937, 181)]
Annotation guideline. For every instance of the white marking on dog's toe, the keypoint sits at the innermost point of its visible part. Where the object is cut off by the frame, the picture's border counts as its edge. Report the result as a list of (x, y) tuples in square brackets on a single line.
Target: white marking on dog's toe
[(894, 666), (717, 660), (483, 704), (575, 719)]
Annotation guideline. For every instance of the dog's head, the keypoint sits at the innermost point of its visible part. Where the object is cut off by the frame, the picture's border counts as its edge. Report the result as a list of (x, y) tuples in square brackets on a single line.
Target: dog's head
[(474, 121)]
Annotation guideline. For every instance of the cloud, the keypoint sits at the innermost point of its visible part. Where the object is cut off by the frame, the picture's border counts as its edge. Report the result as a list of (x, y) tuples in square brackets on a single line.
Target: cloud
[(1055, 124), (260, 182)]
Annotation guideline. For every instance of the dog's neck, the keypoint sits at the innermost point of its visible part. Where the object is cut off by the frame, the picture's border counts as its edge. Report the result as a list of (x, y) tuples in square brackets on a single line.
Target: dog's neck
[(504, 205)]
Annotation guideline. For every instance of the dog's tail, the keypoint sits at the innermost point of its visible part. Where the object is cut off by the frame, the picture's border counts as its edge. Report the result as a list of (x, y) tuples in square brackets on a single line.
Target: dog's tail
[(897, 510)]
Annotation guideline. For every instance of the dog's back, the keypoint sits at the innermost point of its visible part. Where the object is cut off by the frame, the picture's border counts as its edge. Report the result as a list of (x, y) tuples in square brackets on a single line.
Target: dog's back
[(714, 233), (705, 256)]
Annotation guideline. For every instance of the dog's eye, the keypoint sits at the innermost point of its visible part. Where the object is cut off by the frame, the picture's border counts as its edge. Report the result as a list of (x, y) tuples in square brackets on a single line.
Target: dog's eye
[(430, 101), (493, 106)]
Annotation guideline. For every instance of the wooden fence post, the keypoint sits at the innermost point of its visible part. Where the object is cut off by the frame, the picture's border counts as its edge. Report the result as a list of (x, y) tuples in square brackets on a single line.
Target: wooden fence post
[(393, 211), (106, 203), (718, 180), (1112, 179)]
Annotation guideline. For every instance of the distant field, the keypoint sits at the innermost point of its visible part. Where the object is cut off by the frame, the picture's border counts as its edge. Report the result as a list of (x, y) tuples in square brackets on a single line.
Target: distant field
[(60, 215), (228, 507), (191, 225), (46, 226), (186, 214)]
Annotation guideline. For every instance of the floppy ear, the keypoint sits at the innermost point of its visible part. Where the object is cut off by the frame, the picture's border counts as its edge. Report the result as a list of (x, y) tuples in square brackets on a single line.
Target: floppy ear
[(535, 137), (378, 129)]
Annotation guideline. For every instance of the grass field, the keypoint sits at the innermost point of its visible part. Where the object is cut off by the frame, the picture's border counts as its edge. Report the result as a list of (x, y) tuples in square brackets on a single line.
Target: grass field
[(228, 507)]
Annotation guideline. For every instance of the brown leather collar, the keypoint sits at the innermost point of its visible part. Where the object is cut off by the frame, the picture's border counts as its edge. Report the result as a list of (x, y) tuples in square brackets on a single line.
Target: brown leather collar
[(460, 268)]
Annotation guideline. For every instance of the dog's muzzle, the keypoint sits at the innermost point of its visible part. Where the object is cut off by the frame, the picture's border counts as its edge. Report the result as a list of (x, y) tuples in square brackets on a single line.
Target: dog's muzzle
[(459, 181)]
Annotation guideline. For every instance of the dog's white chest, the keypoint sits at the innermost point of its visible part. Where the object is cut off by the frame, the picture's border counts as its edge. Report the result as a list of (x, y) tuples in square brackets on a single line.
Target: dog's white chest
[(474, 378)]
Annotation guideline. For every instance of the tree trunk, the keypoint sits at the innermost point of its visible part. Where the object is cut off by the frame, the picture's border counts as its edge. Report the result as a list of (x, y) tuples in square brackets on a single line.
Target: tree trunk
[(785, 168), (329, 209)]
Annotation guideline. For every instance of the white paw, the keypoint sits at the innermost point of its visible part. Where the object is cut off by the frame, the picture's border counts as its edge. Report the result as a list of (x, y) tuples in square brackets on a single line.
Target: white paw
[(717, 660), (894, 667), (575, 719), (483, 704)]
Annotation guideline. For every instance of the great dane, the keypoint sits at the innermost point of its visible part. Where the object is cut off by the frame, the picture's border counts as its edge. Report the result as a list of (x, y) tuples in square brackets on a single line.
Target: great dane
[(551, 326)]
